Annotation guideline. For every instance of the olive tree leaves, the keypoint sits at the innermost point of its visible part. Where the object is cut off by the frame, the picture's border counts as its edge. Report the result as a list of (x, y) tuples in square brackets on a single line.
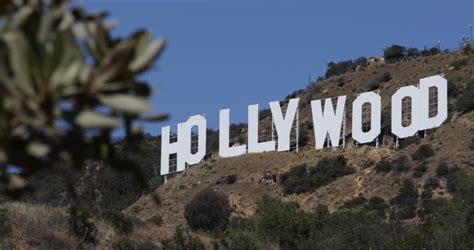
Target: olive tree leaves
[(65, 85)]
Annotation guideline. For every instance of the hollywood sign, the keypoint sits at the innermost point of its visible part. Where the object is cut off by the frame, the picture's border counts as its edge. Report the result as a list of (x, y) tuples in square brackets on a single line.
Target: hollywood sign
[(327, 123)]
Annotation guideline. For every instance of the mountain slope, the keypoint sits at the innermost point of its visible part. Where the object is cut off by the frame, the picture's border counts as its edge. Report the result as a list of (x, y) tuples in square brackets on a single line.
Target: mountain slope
[(451, 143)]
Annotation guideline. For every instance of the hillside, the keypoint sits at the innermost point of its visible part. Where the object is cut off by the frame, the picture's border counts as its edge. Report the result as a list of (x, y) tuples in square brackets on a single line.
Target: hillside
[(452, 143), (246, 179)]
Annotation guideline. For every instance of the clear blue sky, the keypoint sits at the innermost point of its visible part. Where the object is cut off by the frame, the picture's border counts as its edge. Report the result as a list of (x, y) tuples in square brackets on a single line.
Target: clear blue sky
[(232, 53)]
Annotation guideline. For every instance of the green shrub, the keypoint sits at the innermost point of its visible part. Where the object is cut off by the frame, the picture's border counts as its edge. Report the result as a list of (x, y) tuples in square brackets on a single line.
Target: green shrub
[(81, 225), (303, 137), (405, 202), (377, 204), (423, 152), (157, 220), (302, 178), (413, 52), (442, 169), (386, 77), (283, 222), (237, 240), (420, 169), (122, 242), (401, 163), (458, 63), (358, 202), (394, 53), (431, 183), (335, 69), (207, 210), (121, 222), (383, 166), (465, 103), (3, 220), (182, 239), (296, 180)]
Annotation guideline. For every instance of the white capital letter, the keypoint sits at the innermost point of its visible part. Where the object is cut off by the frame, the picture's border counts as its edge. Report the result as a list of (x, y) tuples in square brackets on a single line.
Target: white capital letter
[(441, 86), (375, 122), (398, 128), (283, 124), (329, 122), (254, 145), (200, 122), (224, 149)]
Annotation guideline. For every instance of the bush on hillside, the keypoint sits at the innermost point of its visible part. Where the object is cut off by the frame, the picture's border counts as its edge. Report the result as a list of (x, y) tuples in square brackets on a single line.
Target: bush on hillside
[(394, 53), (401, 163), (423, 152), (183, 239), (121, 222), (303, 137), (465, 103), (458, 63), (383, 166), (386, 77), (207, 210), (442, 169), (305, 178), (405, 201), (413, 52), (81, 225), (283, 222), (335, 69)]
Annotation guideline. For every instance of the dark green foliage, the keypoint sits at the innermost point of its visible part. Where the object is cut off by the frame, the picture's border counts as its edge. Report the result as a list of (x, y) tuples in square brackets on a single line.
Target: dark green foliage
[(431, 183), (340, 82), (237, 240), (3, 220), (335, 69), (361, 62), (87, 81), (121, 222), (420, 169), (207, 210), (302, 178), (182, 240), (453, 89), (353, 229), (394, 53), (442, 169), (81, 225), (383, 166), (231, 179), (413, 52), (264, 113), (459, 63), (294, 94), (360, 224), (405, 202), (296, 180), (401, 163), (303, 137), (358, 202), (122, 242), (157, 220), (155, 183), (377, 204), (465, 103), (423, 152), (212, 140), (282, 222), (430, 52), (386, 77), (374, 84)]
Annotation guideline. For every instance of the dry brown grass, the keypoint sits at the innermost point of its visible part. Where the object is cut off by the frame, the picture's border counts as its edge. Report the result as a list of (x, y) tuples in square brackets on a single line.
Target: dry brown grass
[(35, 226)]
